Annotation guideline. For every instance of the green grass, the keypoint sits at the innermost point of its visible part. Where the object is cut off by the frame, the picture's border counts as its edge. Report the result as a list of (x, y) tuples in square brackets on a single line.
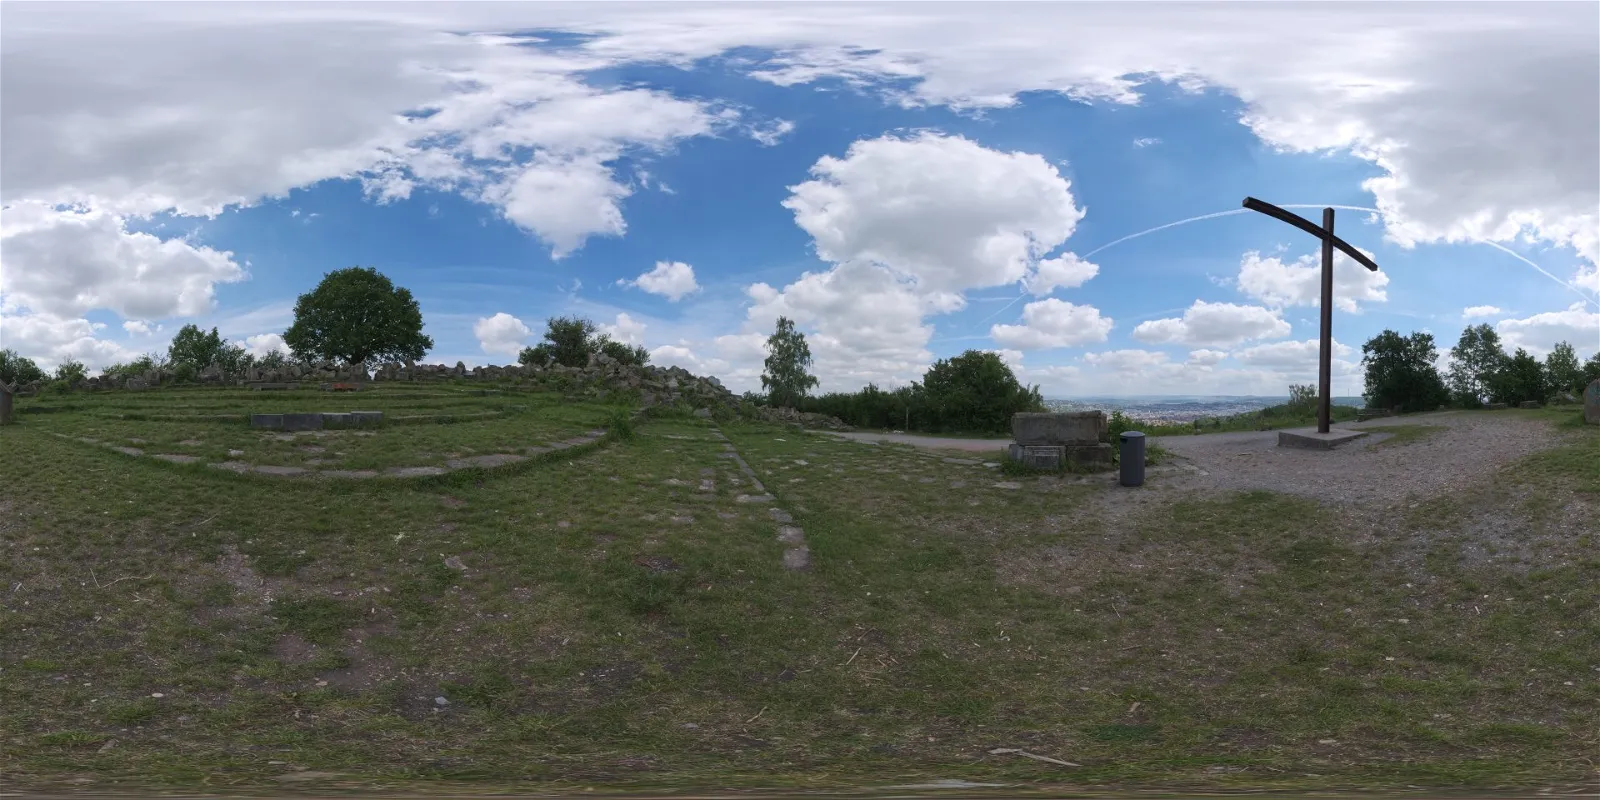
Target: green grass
[(597, 620)]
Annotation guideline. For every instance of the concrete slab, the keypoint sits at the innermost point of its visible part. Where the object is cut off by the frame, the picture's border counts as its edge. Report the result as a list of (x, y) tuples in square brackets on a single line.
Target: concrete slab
[(1311, 440)]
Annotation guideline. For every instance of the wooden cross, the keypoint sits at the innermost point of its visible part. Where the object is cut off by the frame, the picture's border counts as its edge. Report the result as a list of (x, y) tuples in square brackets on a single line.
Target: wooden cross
[(1329, 243)]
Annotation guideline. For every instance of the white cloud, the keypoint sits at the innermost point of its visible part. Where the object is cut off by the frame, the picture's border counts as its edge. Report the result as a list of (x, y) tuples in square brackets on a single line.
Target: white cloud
[(1066, 271), (1288, 355), (501, 334), (1538, 334), (909, 224), (1587, 279), (1473, 312), (1214, 325), (1012, 358), (1278, 284), (1126, 360), (626, 330), (65, 263), (671, 279), (1146, 141), (49, 340), (139, 327), (772, 134), (1053, 323), (1206, 358), (262, 344)]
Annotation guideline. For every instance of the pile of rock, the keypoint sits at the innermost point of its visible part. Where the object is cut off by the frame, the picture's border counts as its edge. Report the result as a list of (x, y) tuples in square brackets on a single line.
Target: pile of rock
[(804, 419), (1052, 440)]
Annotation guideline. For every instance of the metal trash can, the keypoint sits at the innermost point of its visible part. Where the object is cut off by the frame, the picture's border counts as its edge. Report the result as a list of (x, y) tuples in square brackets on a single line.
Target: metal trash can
[(1132, 455)]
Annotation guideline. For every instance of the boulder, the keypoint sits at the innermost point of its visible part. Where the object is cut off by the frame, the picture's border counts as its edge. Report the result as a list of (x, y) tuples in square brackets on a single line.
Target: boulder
[(1591, 403)]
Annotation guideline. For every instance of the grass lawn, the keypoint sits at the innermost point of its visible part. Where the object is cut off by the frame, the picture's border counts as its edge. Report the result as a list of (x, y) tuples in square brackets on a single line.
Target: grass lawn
[(621, 619)]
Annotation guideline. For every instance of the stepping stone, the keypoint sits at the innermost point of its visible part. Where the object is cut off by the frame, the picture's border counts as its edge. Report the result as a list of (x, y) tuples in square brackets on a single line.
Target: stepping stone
[(129, 451), (350, 473), (971, 462), (683, 520), (177, 458), (781, 516), (789, 534), (797, 558), (414, 472), (233, 466), (754, 498), (1007, 485), (270, 469), (674, 482), (708, 485), (924, 480)]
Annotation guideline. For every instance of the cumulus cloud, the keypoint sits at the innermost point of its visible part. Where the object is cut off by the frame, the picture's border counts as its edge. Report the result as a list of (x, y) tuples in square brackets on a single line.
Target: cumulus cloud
[(1280, 284), (1053, 323), (1146, 141), (1206, 358), (1587, 279), (263, 344), (909, 224), (1474, 312), (501, 334), (66, 262), (673, 280), (139, 327), (1214, 325), (1288, 355), (769, 135), (1538, 334), (50, 340), (1126, 360), (626, 329)]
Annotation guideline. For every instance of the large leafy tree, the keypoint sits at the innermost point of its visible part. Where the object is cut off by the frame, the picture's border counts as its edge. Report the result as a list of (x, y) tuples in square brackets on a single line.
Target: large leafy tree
[(1474, 362), (976, 391), (570, 341), (787, 377), (1522, 379), (1562, 369), (357, 316), (71, 370), (19, 369), (1591, 370), (1400, 372)]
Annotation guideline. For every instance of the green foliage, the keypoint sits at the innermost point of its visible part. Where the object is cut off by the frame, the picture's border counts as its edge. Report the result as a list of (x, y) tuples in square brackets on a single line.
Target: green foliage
[(1474, 362), (356, 316), (18, 369), (196, 348), (1302, 399), (1591, 370), (976, 391), (273, 360), (1562, 370), (71, 370), (1400, 372), (786, 378), (1522, 378), (620, 424), (572, 341), (139, 366)]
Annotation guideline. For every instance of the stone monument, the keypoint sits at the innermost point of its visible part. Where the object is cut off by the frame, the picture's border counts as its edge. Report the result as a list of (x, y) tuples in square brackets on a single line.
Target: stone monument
[(6, 393), (1052, 440), (1591, 403)]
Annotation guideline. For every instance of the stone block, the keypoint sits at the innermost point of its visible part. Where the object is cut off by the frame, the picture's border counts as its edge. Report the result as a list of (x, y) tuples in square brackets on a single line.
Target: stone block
[(1497, 406), (337, 419), (1528, 404), (302, 422), (367, 419), (1039, 456), (1089, 456), (1591, 403), (268, 421), (1060, 428)]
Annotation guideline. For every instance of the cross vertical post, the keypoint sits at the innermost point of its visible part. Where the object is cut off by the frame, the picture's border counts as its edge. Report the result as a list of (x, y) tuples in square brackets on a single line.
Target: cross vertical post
[(1325, 356), (1330, 242)]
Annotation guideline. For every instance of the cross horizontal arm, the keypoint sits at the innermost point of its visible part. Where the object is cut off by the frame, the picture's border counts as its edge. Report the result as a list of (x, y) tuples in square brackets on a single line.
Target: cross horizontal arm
[(1310, 227)]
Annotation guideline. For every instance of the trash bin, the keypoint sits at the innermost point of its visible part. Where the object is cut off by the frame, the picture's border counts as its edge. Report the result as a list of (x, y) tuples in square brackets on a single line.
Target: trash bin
[(1132, 456)]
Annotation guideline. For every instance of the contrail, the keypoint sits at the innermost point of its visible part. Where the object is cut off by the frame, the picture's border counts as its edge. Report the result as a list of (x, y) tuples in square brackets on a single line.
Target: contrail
[(1514, 254)]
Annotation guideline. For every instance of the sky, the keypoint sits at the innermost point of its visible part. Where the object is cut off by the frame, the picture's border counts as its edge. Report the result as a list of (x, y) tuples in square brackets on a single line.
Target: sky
[(906, 181)]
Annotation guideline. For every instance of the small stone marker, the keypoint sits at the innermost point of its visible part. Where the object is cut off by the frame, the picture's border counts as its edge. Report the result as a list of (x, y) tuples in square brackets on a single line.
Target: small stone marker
[(1052, 439), (5, 404), (1591, 403)]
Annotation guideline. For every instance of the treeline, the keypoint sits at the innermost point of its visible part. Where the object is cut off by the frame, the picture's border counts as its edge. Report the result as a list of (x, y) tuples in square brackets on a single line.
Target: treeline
[(974, 392), (1402, 372)]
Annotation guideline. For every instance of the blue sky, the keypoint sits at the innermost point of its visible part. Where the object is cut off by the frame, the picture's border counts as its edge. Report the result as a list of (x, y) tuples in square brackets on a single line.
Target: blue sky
[(922, 208)]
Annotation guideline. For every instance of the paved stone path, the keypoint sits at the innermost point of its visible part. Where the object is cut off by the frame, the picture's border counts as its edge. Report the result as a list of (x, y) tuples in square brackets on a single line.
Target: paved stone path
[(796, 555)]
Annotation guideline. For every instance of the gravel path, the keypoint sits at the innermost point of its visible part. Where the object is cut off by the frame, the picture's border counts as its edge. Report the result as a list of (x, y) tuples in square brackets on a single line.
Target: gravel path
[(1470, 448)]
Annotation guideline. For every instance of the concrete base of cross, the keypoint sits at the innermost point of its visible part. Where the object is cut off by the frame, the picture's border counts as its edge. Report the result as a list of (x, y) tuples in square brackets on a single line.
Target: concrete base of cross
[(1311, 440)]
